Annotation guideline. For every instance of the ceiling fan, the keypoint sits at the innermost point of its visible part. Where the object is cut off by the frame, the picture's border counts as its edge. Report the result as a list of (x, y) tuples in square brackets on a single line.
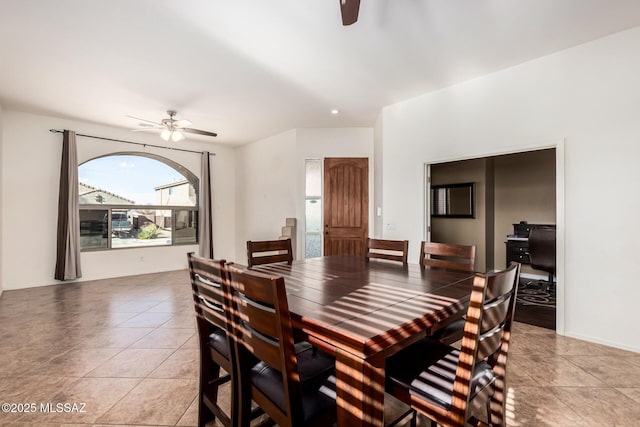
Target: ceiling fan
[(349, 10), (170, 128)]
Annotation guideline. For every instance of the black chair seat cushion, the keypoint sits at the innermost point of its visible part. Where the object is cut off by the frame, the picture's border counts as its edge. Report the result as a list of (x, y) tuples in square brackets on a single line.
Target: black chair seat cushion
[(428, 368), (218, 340), (316, 370), (452, 332)]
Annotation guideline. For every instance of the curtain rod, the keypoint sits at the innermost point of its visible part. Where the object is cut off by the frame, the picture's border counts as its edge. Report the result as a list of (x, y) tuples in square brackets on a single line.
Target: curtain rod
[(134, 143)]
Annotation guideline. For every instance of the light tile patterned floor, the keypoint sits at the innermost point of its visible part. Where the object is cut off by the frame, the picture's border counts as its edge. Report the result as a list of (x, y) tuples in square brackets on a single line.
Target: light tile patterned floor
[(127, 348)]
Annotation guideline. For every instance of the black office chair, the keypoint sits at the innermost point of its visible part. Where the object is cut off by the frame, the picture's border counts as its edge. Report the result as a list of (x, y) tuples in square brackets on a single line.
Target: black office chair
[(542, 251)]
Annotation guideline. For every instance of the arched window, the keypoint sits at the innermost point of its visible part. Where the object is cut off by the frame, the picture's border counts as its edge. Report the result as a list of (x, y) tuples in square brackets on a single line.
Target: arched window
[(135, 200)]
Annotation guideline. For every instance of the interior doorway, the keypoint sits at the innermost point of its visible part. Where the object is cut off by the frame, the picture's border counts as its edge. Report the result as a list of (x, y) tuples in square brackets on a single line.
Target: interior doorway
[(509, 188)]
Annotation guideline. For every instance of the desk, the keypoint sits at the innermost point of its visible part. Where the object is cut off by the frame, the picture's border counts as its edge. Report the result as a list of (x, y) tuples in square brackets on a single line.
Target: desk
[(518, 250), (365, 311), (518, 242)]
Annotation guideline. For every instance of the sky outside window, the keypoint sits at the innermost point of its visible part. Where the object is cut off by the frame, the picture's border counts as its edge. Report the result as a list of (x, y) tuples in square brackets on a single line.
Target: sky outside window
[(132, 177)]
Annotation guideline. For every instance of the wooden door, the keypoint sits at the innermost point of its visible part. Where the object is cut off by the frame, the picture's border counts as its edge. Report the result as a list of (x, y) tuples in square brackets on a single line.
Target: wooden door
[(346, 206)]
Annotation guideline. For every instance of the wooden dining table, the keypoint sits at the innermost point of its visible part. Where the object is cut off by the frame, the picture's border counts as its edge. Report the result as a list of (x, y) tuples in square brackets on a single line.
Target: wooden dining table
[(363, 311)]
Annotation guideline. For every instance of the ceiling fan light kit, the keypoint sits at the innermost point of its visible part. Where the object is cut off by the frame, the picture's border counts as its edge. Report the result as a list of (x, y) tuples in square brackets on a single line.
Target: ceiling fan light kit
[(170, 129), (173, 135)]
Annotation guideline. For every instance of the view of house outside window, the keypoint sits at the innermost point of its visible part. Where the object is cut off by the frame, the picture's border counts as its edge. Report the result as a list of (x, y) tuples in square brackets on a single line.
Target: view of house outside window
[(133, 201)]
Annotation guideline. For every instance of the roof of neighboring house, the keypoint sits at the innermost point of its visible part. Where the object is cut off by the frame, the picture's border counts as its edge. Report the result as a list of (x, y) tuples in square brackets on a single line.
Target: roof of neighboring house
[(173, 184), (85, 190)]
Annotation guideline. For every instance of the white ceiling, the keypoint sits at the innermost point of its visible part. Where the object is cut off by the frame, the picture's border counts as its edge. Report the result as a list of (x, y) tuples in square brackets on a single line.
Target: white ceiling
[(249, 69)]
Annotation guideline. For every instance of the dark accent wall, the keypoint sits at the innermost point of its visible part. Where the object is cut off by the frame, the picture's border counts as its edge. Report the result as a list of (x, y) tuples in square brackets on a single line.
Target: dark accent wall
[(463, 231)]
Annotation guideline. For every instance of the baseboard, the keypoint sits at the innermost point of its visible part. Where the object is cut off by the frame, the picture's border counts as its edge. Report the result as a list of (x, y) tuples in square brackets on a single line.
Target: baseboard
[(594, 340)]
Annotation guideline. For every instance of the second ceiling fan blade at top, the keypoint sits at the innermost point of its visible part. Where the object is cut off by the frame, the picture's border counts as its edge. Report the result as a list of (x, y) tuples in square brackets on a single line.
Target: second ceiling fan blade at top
[(199, 132), (144, 120), (152, 129), (349, 10)]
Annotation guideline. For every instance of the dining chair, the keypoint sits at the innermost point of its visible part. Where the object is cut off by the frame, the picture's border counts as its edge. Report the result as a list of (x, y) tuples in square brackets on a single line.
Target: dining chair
[(448, 256), (208, 283), (293, 387), (394, 250), (450, 386), (542, 251), (268, 252)]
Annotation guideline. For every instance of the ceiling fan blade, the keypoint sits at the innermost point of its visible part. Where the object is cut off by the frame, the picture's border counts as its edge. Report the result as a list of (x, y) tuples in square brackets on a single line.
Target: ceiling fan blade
[(181, 123), (147, 130), (199, 132), (144, 120), (349, 9)]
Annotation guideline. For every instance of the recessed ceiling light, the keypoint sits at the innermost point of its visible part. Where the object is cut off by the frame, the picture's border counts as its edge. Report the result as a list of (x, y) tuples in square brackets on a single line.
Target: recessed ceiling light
[(334, 112)]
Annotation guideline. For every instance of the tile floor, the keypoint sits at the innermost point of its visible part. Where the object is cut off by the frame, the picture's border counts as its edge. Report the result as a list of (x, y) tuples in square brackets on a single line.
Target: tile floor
[(126, 348)]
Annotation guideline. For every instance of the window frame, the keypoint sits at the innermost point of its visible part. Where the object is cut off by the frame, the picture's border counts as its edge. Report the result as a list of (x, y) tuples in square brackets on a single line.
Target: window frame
[(317, 198), (188, 175)]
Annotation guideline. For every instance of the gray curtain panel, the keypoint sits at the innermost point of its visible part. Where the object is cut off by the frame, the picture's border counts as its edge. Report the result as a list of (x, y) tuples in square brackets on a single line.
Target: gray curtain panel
[(205, 236), (68, 244)]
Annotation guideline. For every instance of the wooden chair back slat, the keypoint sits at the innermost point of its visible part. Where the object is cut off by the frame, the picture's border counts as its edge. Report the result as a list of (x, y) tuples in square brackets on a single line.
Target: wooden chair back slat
[(262, 346), (264, 321), (448, 256), (252, 287), (489, 344), (494, 315), (262, 252), (393, 250), (209, 302), (498, 287)]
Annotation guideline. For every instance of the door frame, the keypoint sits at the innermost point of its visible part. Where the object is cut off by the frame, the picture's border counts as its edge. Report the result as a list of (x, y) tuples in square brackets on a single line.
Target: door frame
[(427, 202), (560, 212), (300, 204)]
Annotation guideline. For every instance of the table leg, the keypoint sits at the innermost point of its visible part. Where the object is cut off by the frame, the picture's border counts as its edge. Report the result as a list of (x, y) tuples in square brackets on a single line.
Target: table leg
[(360, 391)]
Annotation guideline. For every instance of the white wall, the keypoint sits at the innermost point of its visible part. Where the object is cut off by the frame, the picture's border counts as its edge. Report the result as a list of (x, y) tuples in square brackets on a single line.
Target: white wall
[(31, 164), (265, 189), (588, 95), (271, 178), (378, 178)]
